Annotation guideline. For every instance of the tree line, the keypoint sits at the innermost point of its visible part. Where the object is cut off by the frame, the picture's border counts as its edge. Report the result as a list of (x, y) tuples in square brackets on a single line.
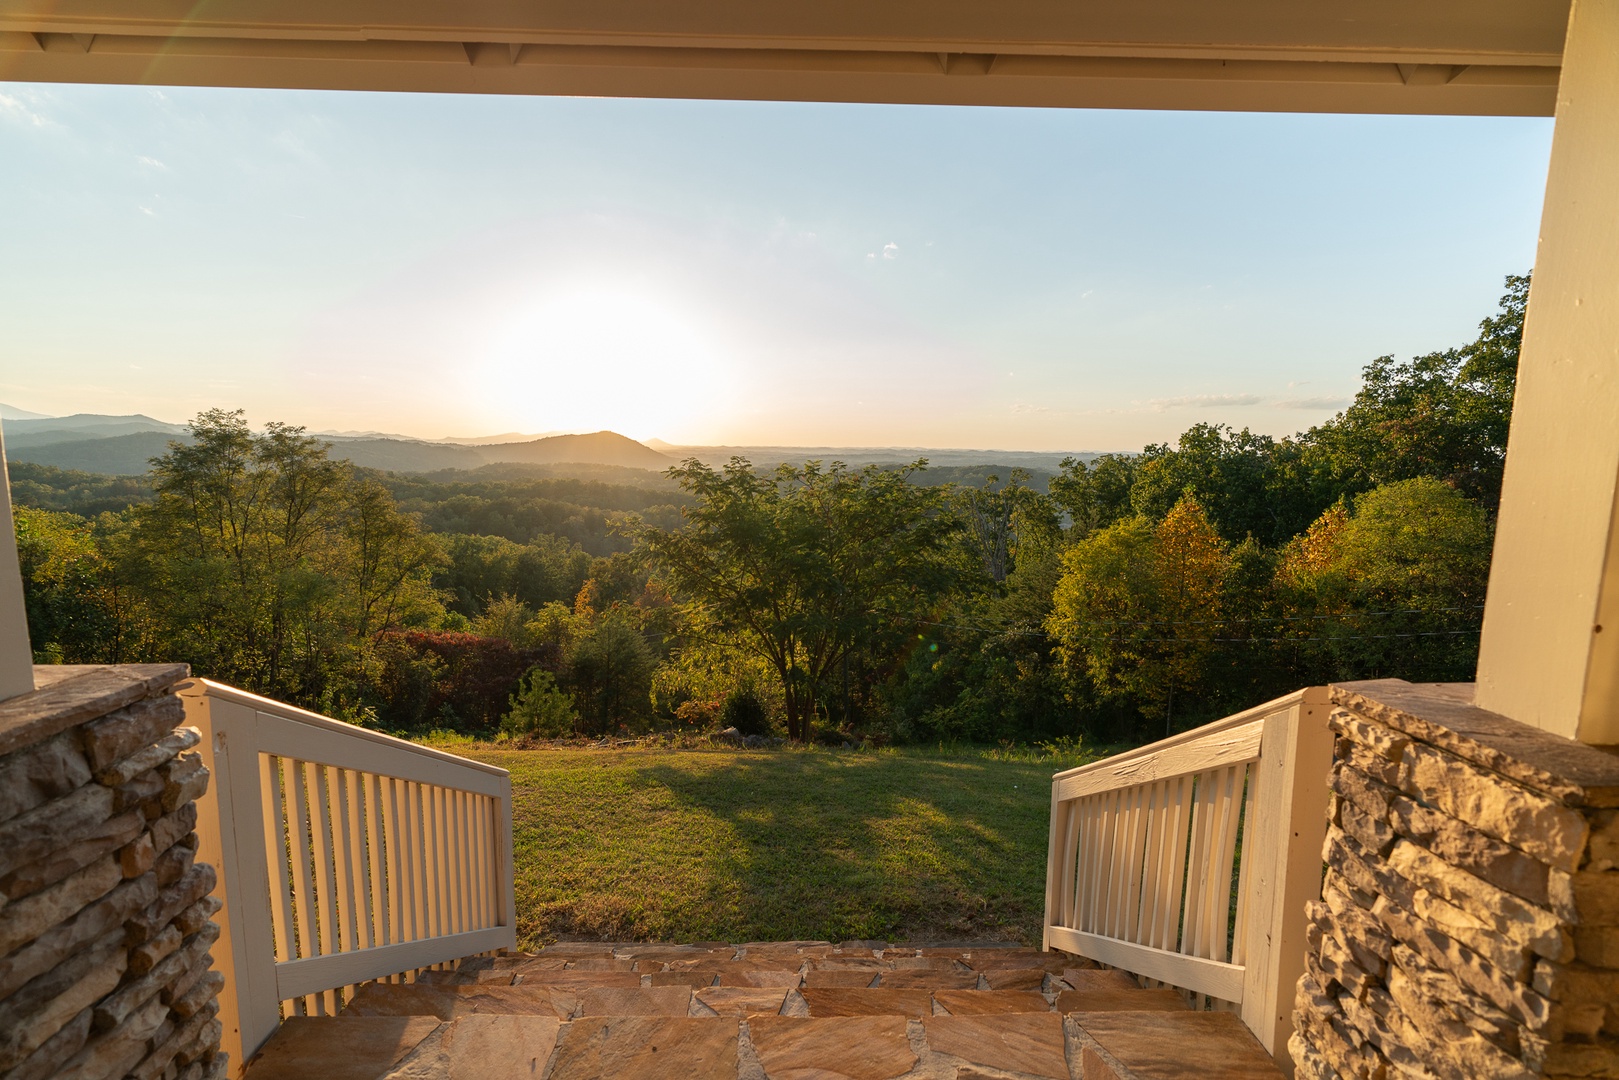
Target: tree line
[(1136, 594)]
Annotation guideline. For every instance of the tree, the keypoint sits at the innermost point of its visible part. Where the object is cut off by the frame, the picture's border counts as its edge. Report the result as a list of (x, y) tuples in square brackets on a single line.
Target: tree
[(539, 707), (1444, 415), (804, 565), (1139, 604), (267, 564), (999, 517), (609, 668), (1096, 495), (1393, 587)]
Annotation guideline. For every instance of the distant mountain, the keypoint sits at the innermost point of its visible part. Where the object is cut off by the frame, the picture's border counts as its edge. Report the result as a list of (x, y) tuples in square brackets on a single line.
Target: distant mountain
[(114, 455), (11, 412), (505, 437), (46, 431), (598, 448), (124, 446), (770, 456)]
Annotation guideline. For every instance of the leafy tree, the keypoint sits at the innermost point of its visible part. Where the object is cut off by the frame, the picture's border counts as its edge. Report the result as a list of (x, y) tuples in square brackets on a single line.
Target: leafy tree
[(1138, 603), (266, 564), (1394, 588), (1444, 415), (999, 517), (609, 668), (80, 608), (804, 565), (1096, 495)]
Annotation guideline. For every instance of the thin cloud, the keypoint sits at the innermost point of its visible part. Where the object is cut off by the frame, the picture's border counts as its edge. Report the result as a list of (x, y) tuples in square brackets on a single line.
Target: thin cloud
[(890, 250), (151, 163), (15, 110), (1022, 407), (1203, 401), (1326, 402)]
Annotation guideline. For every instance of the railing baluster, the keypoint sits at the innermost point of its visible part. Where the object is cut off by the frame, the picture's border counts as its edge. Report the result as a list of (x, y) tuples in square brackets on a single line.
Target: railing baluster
[(343, 823), (396, 885), (1239, 939), (465, 862), (1228, 847), (376, 885), (322, 829), (419, 925), (302, 875)]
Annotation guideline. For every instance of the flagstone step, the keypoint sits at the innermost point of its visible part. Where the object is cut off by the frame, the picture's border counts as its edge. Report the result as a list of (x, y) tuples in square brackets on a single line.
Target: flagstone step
[(765, 1011), (1013, 1046)]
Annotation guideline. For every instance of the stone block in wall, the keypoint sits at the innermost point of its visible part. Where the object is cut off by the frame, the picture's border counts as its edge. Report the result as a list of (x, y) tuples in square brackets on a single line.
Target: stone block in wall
[(1511, 918), (1591, 899), (185, 778), (1373, 831), (159, 981), (1597, 945), (1373, 737), (1502, 865), (58, 863), (1309, 1063), (55, 1052), (26, 919), (60, 942), (191, 919), (149, 758), (143, 958), (33, 835), (1532, 822), (172, 865), (193, 885), (169, 829), (39, 774), (131, 729), (1396, 895), (33, 1016), (113, 1053)]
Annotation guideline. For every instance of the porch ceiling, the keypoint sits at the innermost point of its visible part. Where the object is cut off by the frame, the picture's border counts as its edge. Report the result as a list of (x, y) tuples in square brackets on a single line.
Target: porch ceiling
[(1389, 56)]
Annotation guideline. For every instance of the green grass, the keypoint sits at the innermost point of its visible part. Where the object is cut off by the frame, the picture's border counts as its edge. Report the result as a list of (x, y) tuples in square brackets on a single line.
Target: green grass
[(712, 845)]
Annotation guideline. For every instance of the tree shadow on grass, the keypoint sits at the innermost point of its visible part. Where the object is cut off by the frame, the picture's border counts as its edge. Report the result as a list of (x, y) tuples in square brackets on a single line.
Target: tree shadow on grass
[(831, 846)]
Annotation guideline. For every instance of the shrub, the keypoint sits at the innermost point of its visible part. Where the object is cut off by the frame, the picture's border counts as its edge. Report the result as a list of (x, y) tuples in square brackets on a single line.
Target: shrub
[(539, 708), (744, 711)]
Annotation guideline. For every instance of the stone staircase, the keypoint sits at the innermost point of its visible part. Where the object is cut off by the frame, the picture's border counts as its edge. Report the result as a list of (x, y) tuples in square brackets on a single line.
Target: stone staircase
[(765, 1011)]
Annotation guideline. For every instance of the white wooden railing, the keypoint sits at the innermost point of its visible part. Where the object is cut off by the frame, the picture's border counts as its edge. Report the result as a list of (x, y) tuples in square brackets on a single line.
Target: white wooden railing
[(1189, 862), (344, 855)]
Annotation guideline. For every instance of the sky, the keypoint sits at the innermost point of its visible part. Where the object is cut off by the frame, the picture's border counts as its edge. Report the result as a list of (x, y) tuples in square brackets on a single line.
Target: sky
[(737, 272)]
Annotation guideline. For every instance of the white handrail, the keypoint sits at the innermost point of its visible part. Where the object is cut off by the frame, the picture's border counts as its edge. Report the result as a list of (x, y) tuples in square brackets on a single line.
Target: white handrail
[(1149, 848), (345, 855)]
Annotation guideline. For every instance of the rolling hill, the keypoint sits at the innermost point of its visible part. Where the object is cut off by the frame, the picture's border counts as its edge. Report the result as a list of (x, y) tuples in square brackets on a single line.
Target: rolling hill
[(124, 446)]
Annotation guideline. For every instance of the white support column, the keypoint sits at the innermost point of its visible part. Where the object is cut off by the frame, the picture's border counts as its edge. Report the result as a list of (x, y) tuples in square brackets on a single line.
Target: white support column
[(16, 655), (1550, 650)]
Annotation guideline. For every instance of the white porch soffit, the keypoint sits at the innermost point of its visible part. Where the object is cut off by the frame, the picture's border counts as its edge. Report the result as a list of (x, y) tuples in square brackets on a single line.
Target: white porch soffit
[(1495, 57)]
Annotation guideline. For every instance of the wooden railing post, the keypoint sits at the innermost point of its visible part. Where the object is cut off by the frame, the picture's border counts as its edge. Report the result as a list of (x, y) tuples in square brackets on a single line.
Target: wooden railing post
[(1285, 872), (230, 830)]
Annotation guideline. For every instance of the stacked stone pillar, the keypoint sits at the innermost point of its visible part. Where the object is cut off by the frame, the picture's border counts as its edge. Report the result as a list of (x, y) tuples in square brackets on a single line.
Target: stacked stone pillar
[(1469, 920), (105, 916)]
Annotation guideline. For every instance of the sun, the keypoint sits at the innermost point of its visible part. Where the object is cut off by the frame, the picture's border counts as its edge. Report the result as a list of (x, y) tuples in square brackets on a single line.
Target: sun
[(599, 356)]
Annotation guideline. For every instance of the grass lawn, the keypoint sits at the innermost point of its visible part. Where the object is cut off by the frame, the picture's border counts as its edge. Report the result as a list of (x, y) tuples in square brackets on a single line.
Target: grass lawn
[(733, 845)]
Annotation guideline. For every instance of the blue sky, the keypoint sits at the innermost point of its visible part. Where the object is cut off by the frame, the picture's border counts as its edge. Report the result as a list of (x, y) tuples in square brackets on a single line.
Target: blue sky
[(737, 272)]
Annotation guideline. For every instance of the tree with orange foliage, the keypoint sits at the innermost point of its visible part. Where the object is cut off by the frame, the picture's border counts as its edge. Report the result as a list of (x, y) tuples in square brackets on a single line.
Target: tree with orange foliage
[(1139, 605)]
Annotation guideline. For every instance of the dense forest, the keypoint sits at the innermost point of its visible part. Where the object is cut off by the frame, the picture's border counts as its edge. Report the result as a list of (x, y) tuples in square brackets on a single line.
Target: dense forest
[(1125, 596)]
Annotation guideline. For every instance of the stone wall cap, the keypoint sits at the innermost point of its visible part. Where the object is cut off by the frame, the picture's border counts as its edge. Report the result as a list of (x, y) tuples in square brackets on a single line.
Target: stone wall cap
[(1442, 714), (67, 695)]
